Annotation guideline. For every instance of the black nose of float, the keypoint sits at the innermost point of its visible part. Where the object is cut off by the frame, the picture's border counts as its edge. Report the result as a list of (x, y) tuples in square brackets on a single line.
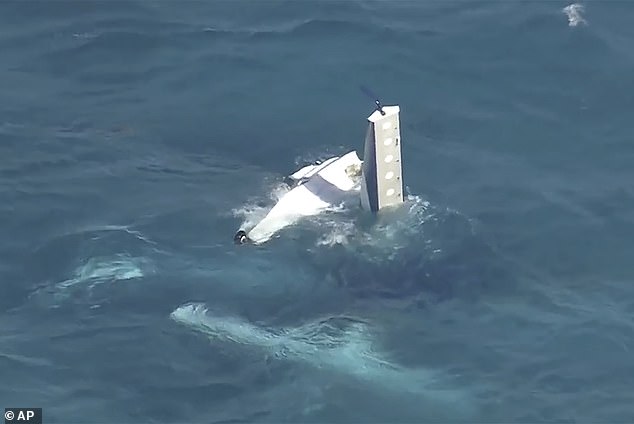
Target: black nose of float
[(240, 237)]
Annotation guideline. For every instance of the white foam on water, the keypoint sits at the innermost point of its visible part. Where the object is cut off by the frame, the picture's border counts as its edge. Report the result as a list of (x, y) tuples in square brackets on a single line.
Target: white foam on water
[(393, 229), (91, 274), (573, 12), (336, 233), (320, 343), (338, 344), (102, 269)]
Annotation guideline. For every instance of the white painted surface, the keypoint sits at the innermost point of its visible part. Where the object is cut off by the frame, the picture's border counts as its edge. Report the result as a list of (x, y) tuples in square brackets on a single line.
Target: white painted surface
[(310, 170), (326, 187)]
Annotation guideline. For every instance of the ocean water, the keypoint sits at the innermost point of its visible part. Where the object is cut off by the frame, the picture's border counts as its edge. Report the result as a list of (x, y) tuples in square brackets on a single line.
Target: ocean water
[(136, 137)]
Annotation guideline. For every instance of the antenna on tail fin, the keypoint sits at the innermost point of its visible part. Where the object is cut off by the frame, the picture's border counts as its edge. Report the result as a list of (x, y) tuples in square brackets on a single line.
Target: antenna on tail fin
[(374, 97)]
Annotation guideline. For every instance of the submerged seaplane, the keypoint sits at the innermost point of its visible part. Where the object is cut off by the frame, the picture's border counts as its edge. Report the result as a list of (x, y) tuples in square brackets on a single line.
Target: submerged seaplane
[(322, 185)]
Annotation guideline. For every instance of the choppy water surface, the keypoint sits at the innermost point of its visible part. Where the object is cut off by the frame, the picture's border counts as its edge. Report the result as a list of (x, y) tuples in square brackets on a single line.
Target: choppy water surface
[(136, 137)]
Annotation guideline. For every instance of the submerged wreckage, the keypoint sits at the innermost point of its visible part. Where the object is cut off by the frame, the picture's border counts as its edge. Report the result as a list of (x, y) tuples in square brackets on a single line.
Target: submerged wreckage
[(322, 185)]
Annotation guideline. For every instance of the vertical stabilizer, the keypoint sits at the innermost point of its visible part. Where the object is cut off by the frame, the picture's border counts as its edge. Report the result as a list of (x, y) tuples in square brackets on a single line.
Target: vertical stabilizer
[(382, 182)]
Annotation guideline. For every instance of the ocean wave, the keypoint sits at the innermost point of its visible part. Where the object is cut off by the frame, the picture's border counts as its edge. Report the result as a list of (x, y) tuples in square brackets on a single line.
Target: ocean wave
[(99, 270), (336, 343), (83, 286), (76, 262), (319, 27), (574, 12)]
